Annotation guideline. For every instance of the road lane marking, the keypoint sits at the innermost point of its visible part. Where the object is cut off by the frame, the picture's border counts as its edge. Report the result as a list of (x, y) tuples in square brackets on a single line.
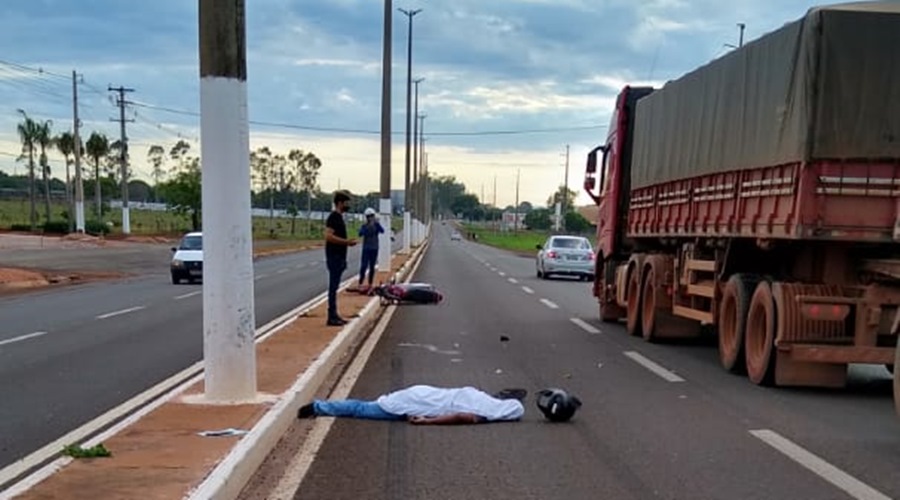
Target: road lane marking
[(119, 313), (585, 325), (513, 281), (260, 276), (852, 486), (22, 337), (502, 274), (179, 297), (653, 367), (282, 271), (300, 266), (549, 304), (528, 290)]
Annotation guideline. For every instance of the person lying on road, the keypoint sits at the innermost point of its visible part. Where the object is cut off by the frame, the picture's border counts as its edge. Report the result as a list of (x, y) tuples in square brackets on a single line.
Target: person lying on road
[(424, 404)]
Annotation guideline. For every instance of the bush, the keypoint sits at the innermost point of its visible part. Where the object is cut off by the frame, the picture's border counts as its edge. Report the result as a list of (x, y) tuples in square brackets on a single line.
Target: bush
[(95, 227), (56, 227), (20, 227)]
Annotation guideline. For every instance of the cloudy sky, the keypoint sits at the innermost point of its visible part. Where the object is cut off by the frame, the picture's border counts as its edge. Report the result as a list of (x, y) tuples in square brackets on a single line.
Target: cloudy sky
[(315, 76)]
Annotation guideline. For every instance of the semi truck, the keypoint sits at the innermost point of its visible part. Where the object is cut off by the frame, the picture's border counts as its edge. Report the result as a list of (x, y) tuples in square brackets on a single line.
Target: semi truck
[(758, 196)]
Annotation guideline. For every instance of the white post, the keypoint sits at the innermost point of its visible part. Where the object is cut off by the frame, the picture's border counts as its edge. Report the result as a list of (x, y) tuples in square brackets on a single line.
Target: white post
[(126, 220), (229, 349), (384, 245), (407, 231)]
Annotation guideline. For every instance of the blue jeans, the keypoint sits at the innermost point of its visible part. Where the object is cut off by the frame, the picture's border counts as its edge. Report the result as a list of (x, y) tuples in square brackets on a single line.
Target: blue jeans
[(355, 408), (335, 270), (369, 258)]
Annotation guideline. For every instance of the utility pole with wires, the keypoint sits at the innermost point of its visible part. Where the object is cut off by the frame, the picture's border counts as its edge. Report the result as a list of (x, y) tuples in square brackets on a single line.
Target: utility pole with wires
[(384, 257), (407, 219), (76, 136), (123, 153), (516, 210), (495, 200), (565, 192), (413, 196), (741, 26), (420, 197)]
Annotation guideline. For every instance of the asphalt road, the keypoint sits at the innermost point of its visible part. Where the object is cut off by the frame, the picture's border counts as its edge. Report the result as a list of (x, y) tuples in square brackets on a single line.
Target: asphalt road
[(69, 354), (639, 435)]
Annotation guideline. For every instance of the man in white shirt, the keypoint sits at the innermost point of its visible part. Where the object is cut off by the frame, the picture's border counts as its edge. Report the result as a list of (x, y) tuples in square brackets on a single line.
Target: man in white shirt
[(424, 404)]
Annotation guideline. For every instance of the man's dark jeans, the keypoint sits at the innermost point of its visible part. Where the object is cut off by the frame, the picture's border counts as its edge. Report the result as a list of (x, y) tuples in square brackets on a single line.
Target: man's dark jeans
[(336, 268)]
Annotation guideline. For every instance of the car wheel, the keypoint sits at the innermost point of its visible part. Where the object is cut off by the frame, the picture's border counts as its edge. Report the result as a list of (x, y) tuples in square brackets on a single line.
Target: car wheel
[(175, 279), (191, 280)]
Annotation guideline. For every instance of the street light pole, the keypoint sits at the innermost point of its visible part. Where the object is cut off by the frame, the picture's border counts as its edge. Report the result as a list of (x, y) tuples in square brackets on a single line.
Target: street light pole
[(741, 40), (407, 233), (229, 348), (384, 256)]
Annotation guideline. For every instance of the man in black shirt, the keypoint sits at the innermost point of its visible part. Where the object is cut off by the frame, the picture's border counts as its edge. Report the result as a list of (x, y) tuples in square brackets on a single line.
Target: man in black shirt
[(336, 244)]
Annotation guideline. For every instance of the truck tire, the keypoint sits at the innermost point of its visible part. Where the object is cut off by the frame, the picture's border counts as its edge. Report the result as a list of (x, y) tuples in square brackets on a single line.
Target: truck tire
[(633, 317), (897, 380), (733, 320), (759, 335)]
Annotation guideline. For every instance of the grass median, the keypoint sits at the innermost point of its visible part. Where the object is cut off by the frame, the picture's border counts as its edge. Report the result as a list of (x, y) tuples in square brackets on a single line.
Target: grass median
[(522, 242)]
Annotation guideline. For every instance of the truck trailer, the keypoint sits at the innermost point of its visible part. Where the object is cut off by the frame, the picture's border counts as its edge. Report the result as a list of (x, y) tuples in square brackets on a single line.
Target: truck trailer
[(759, 196)]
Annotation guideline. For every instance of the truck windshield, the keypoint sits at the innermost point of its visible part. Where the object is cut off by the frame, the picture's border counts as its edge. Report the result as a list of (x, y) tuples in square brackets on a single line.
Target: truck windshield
[(191, 243)]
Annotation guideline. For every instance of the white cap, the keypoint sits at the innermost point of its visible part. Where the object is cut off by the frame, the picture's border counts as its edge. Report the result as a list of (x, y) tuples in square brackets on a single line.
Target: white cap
[(369, 211)]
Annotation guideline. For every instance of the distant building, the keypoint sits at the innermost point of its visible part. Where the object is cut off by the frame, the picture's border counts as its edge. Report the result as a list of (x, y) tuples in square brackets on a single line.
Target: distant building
[(511, 222)]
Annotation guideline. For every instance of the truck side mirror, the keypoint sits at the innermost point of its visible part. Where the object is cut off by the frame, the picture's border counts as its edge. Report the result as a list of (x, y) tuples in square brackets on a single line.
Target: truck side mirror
[(590, 172)]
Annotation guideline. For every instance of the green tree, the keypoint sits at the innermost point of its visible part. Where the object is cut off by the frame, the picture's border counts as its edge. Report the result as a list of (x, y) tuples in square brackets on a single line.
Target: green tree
[(97, 147), (560, 197), (156, 156), (44, 140), (28, 133), (444, 190), (179, 154), (183, 192), (525, 207), (305, 172), (538, 219), (262, 168), (575, 222), (465, 205)]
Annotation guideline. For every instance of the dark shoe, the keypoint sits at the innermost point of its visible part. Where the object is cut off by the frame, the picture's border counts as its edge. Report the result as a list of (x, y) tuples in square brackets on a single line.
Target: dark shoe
[(336, 322), (306, 411)]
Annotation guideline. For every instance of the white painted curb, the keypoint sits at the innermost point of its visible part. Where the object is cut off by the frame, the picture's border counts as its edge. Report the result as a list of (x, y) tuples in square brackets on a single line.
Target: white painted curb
[(233, 473)]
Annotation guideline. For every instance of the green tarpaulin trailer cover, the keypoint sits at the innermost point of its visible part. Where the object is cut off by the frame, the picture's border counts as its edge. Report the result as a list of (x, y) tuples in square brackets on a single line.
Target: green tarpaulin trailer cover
[(824, 87)]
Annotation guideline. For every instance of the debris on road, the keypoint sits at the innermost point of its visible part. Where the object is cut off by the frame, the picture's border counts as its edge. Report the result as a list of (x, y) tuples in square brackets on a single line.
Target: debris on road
[(223, 433)]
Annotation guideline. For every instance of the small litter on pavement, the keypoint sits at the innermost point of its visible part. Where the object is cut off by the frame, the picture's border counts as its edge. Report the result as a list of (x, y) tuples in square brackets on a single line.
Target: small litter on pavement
[(223, 433)]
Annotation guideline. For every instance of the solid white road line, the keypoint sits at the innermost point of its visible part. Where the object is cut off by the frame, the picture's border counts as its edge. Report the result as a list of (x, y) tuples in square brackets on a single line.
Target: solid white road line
[(22, 337), (119, 313), (584, 325), (852, 486), (549, 303), (653, 367), (528, 290), (513, 281), (179, 297)]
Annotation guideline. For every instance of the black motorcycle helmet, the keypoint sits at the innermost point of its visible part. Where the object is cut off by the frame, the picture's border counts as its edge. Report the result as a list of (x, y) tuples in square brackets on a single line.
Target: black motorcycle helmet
[(557, 405)]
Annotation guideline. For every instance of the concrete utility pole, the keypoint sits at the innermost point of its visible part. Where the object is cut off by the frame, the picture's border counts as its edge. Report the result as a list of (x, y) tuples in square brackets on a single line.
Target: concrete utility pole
[(229, 348), (421, 196), (741, 40), (565, 193), (407, 232), (79, 187), (495, 200), (123, 154), (414, 196), (384, 256), (516, 212)]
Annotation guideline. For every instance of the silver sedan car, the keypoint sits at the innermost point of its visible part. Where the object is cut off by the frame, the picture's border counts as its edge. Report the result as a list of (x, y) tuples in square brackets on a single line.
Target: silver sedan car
[(566, 256)]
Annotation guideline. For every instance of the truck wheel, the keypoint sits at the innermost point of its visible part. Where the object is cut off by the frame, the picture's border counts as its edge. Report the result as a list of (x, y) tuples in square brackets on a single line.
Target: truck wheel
[(733, 320), (649, 310), (897, 380), (633, 316), (759, 341)]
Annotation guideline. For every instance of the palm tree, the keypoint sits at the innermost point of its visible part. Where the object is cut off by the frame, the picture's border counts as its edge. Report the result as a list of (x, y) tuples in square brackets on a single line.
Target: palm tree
[(28, 135), (97, 147), (44, 139), (65, 143)]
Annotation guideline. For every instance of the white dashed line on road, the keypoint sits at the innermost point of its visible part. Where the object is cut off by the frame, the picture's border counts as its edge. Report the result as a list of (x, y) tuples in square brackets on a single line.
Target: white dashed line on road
[(282, 271), (852, 486), (119, 313), (502, 274), (179, 297), (653, 367), (513, 280), (260, 276), (584, 325), (528, 290), (22, 337), (549, 303), (299, 266)]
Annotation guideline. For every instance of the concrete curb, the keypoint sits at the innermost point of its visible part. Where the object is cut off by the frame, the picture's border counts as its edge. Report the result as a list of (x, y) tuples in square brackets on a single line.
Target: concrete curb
[(233, 473)]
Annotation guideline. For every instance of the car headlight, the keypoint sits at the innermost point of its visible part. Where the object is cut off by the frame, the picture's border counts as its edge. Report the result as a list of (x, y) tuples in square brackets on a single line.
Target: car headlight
[(177, 263)]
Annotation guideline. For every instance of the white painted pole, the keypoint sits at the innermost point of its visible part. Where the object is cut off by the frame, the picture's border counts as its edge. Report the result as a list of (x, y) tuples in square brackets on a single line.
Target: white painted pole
[(384, 251), (229, 351), (79, 186), (407, 231), (384, 240)]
